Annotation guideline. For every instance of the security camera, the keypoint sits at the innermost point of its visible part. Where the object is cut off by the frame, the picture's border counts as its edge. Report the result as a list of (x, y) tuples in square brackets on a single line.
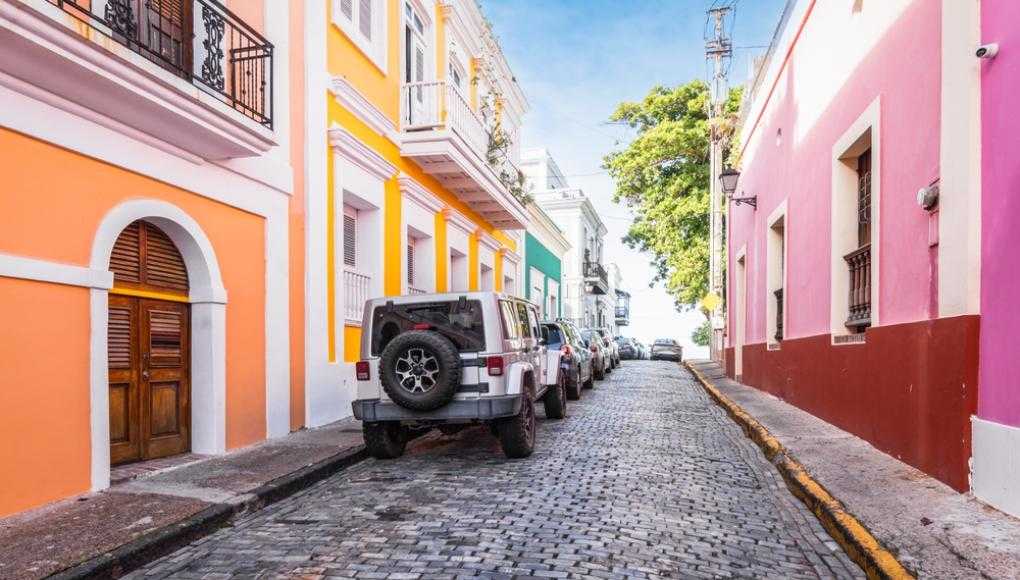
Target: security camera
[(987, 50)]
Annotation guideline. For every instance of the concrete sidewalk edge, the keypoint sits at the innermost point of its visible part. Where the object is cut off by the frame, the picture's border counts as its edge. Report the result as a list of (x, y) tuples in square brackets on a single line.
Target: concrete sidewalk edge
[(862, 547), (163, 541)]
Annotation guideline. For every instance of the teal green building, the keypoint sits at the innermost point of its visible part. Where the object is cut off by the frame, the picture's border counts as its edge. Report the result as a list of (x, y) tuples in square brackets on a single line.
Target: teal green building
[(544, 247)]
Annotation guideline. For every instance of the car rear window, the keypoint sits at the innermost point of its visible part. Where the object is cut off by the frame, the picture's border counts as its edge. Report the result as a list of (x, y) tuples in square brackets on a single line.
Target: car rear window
[(555, 337), (460, 321)]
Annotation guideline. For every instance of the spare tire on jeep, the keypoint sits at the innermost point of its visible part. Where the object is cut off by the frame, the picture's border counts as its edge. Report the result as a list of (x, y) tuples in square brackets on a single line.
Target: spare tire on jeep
[(420, 370)]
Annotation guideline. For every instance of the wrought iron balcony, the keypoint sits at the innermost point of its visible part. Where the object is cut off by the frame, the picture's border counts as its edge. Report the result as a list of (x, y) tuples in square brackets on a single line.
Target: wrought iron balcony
[(450, 141), (198, 40), (596, 278), (859, 299), (779, 314), (622, 315)]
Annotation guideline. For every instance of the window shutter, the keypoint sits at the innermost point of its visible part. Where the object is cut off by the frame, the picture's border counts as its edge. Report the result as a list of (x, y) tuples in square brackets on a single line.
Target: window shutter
[(365, 18), (164, 266), (125, 261), (410, 264), (347, 8), (164, 339), (350, 241), (118, 338)]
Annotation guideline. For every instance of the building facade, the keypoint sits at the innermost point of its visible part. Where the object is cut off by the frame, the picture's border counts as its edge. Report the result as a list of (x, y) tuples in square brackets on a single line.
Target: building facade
[(585, 279), (854, 283), (544, 248), (996, 465), (143, 236), (199, 196)]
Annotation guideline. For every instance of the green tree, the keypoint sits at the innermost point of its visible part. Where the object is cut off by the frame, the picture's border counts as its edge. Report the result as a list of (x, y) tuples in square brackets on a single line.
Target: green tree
[(662, 176), (702, 334)]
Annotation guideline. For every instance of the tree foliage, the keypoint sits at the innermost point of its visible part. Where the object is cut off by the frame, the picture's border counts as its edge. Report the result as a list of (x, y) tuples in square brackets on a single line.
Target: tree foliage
[(702, 334), (663, 177)]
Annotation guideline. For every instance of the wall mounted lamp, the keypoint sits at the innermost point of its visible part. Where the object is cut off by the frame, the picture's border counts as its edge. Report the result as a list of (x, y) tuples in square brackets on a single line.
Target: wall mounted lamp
[(728, 180)]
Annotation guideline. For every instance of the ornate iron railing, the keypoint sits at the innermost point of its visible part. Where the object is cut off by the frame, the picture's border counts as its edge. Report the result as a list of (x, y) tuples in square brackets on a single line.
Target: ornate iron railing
[(356, 288), (596, 272), (859, 300), (779, 314), (198, 40)]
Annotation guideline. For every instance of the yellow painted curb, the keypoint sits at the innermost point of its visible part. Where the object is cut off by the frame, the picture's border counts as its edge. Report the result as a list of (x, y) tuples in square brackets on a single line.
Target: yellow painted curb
[(862, 547)]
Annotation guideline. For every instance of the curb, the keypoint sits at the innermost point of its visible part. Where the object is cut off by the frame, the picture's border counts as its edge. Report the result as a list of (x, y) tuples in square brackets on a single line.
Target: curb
[(862, 547), (163, 541)]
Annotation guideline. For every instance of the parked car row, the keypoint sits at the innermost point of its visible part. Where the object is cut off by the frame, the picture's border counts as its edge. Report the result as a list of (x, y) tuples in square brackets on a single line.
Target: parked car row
[(450, 361)]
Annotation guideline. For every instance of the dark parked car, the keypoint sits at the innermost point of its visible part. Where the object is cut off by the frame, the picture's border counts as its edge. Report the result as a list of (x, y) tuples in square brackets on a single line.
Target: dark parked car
[(563, 342), (667, 349), (628, 348)]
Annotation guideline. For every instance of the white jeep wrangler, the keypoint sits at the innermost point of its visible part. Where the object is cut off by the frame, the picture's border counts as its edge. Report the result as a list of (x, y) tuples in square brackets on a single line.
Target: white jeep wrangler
[(451, 361)]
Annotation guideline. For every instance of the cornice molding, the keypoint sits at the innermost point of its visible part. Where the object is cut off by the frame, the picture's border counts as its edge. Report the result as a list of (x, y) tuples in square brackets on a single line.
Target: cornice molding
[(417, 193), (354, 150), (350, 98), (459, 220), (511, 255), (486, 239)]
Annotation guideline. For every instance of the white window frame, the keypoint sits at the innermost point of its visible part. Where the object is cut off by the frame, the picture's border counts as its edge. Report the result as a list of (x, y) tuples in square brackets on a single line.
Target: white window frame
[(777, 264), (375, 48)]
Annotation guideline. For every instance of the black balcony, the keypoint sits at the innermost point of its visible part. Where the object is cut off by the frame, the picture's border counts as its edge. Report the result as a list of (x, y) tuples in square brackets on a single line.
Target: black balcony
[(224, 56), (859, 299), (596, 278), (622, 315)]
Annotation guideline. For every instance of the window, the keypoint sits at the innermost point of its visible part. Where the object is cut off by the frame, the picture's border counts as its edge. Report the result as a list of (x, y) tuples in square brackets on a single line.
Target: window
[(350, 237), (859, 260), (775, 263), (533, 321), (363, 21), (511, 327), (522, 320), (410, 262)]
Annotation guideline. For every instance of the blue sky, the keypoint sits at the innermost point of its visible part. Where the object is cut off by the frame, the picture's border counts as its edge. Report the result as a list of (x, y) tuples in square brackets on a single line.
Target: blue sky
[(575, 60)]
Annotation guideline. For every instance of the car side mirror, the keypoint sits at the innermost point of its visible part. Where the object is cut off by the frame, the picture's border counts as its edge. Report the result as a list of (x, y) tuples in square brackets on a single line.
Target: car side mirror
[(542, 341)]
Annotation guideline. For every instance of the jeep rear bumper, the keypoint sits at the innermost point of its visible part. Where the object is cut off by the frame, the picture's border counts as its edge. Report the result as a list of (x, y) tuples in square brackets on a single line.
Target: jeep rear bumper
[(484, 408)]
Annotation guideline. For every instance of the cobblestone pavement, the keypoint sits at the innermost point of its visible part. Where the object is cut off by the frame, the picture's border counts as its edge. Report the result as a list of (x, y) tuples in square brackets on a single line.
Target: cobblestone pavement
[(645, 478)]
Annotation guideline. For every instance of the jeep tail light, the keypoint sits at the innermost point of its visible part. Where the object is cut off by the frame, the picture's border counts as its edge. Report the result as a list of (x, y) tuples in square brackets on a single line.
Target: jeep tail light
[(422, 326), (362, 371), (495, 366), (594, 348), (567, 351)]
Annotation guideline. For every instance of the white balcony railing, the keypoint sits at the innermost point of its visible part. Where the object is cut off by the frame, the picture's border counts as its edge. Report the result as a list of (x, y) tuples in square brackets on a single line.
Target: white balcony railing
[(356, 288), (438, 105)]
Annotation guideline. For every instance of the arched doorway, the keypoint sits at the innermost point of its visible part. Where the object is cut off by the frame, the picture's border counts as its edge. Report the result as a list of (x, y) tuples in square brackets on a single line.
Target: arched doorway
[(148, 344)]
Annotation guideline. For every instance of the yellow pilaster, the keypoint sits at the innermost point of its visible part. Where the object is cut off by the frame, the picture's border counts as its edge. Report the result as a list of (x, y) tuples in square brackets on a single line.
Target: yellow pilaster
[(392, 246), (442, 255), (497, 272), (352, 343), (473, 262), (330, 260)]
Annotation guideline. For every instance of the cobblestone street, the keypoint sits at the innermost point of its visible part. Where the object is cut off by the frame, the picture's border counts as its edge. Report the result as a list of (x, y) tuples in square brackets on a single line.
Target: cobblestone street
[(645, 478)]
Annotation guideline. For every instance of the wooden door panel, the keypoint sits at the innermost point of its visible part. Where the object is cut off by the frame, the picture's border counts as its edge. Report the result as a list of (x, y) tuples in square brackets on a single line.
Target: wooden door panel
[(123, 357), (166, 408)]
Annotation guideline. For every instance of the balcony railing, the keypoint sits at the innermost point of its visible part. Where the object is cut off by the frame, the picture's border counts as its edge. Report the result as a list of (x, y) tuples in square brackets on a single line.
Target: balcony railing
[(779, 314), (356, 288), (596, 277), (198, 40), (415, 291), (859, 264), (622, 315), (436, 104)]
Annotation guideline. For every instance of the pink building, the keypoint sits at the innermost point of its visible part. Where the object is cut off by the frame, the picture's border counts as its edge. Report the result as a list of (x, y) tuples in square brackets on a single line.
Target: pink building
[(996, 468), (847, 296)]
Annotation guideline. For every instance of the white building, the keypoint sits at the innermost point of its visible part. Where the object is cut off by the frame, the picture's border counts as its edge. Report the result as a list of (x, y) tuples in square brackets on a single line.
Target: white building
[(588, 299)]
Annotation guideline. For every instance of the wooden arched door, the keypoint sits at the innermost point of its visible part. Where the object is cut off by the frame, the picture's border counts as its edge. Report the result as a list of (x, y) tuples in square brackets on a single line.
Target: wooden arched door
[(147, 345)]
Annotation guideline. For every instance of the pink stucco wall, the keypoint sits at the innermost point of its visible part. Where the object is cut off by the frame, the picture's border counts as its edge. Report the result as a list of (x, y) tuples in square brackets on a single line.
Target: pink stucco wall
[(903, 68), (999, 394)]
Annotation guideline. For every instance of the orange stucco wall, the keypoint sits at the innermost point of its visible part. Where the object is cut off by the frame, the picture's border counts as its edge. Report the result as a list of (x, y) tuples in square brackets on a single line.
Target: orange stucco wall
[(51, 205), (44, 393), (297, 216)]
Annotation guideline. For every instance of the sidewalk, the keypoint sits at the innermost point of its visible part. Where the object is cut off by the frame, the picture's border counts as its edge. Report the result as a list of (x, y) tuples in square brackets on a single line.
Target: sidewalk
[(150, 513), (933, 531)]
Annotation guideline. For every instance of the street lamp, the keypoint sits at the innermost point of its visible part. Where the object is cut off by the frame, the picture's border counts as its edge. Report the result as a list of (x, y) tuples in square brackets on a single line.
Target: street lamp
[(728, 180)]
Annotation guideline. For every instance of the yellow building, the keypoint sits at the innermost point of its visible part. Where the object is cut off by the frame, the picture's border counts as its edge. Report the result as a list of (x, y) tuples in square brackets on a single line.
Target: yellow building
[(412, 125)]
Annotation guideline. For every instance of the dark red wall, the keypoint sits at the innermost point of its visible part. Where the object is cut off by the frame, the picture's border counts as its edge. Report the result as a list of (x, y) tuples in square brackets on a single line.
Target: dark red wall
[(910, 390)]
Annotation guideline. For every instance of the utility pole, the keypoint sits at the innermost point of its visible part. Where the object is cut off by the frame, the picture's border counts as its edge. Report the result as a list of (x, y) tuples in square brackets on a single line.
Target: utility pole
[(718, 51)]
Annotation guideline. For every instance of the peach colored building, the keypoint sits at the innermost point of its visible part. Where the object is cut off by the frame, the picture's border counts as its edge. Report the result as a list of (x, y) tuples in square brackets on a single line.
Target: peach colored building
[(146, 219)]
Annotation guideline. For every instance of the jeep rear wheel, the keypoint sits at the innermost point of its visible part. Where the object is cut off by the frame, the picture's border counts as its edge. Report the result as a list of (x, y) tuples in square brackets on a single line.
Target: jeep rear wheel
[(555, 399), (420, 370), (384, 440), (517, 433)]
